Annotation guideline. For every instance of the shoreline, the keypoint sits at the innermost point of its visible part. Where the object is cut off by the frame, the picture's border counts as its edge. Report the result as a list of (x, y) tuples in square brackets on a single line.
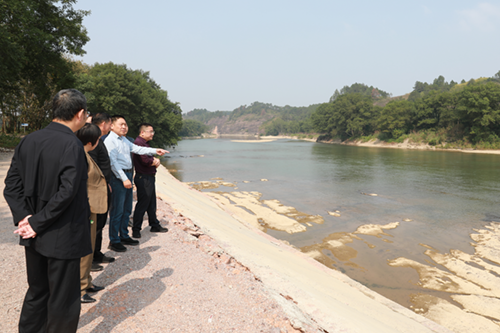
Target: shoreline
[(375, 143), (329, 298)]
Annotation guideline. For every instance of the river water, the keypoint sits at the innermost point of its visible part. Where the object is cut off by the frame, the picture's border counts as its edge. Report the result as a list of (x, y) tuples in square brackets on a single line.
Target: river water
[(438, 197)]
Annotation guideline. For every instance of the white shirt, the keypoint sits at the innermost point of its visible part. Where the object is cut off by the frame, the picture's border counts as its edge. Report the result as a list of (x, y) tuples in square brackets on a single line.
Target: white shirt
[(119, 149)]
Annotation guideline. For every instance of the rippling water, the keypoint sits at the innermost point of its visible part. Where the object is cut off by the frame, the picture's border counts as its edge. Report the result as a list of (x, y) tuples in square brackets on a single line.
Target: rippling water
[(444, 194)]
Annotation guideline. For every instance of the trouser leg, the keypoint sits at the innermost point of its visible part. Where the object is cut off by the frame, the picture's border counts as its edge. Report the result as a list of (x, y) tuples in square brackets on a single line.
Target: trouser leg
[(86, 262), (34, 312), (101, 222), (144, 195), (127, 210), (116, 211), (153, 220), (52, 302)]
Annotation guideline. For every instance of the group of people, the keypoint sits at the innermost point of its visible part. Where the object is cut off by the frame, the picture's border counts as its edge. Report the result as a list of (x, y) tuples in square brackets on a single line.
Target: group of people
[(61, 183)]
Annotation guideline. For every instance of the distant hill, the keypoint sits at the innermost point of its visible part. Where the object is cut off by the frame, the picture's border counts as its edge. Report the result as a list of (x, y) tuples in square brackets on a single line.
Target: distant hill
[(249, 120)]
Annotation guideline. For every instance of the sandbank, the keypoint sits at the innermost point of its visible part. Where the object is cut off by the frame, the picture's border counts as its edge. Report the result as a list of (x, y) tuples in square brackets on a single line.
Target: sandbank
[(331, 299)]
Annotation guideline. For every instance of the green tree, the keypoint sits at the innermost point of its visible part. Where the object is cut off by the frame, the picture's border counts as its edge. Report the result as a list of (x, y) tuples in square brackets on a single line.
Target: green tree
[(349, 115), (395, 118), (192, 127), (478, 107), (34, 35), (115, 89)]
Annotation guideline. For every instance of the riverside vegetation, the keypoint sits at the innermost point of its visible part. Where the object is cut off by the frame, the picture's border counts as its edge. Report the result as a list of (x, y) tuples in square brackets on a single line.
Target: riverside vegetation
[(445, 114)]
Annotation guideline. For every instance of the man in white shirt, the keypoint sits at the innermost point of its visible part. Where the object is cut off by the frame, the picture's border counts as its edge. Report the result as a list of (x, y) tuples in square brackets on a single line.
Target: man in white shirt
[(119, 149)]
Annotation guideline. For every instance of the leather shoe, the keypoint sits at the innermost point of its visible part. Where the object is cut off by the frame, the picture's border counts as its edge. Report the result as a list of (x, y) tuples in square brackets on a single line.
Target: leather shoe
[(118, 247), (136, 234), (129, 241), (94, 289), (87, 299), (96, 268), (103, 260), (158, 228)]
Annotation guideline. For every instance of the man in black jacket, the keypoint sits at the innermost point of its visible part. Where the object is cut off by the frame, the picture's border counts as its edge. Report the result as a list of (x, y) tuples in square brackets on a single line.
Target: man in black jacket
[(46, 189), (101, 157)]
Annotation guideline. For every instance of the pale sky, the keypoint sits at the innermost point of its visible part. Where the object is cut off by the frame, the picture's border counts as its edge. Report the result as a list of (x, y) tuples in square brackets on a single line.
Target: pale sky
[(218, 55)]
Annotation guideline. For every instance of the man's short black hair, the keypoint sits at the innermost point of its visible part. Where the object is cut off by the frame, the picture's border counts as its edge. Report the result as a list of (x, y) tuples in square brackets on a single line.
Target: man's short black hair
[(144, 126), (88, 133), (115, 117), (67, 103), (100, 118)]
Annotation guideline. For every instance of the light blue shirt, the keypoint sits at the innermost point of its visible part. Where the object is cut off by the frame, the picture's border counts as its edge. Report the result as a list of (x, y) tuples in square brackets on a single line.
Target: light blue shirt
[(119, 149)]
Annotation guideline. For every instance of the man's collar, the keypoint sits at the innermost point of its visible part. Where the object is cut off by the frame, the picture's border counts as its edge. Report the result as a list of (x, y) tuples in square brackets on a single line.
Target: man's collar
[(113, 134)]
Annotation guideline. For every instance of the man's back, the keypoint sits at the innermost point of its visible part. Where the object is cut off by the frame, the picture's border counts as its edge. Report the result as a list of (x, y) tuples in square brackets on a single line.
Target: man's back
[(52, 168)]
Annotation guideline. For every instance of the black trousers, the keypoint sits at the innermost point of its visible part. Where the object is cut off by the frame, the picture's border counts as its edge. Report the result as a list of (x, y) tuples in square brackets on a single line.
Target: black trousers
[(146, 201), (52, 302), (100, 223)]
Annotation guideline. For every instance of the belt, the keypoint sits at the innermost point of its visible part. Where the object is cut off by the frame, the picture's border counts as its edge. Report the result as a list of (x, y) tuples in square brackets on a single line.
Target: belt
[(128, 170)]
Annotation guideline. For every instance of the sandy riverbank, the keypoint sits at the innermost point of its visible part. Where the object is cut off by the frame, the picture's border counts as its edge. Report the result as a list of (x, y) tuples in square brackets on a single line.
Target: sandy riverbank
[(375, 143)]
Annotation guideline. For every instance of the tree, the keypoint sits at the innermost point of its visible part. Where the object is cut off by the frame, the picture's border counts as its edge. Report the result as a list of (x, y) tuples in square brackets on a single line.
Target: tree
[(34, 35), (115, 89), (395, 118), (192, 127), (478, 107), (349, 115)]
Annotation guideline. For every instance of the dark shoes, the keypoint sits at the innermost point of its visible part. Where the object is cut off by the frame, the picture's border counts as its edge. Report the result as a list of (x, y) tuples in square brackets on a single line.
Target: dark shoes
[(129, 241), (118, 247), (103, 260), (94, 289), (158, 229), (136, 234), (87, 299), (96, 267)]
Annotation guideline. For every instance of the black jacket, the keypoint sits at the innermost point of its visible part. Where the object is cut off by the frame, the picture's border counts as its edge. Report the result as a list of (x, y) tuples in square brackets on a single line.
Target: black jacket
[(101, 157), (48, 179)]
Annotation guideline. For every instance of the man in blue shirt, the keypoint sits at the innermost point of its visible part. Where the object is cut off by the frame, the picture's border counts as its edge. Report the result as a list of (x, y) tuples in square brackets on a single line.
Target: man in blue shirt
[(119, 149)]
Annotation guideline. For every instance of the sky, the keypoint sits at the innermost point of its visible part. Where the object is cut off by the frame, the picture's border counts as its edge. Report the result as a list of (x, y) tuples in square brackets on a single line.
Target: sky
[(221, 54)]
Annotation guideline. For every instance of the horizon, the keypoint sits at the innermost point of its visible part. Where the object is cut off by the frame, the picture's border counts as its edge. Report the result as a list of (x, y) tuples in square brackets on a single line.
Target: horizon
[(222, 55)]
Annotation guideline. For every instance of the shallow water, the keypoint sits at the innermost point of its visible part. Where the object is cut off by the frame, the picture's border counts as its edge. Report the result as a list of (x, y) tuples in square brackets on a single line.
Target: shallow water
[(437, 197)]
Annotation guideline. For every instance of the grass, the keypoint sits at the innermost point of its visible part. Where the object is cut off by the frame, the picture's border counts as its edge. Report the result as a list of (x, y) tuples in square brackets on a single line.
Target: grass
[(9, 141)]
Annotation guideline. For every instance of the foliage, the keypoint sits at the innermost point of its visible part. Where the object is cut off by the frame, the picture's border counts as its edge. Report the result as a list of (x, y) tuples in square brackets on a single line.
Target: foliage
[(395, 118), (348, 116), (116, 89), (204, 116), (360, 88), (9, 141), (34, 35), (191, 127)]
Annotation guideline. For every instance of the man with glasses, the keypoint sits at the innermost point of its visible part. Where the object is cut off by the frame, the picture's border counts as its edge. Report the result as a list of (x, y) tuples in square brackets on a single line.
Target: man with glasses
[(119, 149), (145, 171), (46, 189)]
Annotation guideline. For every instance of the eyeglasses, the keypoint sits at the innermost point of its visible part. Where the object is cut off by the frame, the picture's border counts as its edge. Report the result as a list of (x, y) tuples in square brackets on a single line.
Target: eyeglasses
[(88, 114), (152, 132)]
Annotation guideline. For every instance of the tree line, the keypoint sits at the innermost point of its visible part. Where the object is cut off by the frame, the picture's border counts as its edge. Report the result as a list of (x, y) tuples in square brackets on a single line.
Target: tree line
[(465, 113), (37, 40)]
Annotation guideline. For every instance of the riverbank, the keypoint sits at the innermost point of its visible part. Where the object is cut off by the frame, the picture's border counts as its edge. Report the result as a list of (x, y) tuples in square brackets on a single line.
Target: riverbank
[(212, 273), (376, 143)]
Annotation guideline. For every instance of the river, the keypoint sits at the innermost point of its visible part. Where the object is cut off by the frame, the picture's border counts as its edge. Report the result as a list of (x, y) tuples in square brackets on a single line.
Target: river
[(438, 198)]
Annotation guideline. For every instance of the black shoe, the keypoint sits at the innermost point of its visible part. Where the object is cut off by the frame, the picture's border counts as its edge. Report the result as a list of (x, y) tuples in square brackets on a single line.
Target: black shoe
[(96, 268), (136, 234), (94, 289), (103, 260), (158, 228), (118, 247), (130, 241), (87, 299)]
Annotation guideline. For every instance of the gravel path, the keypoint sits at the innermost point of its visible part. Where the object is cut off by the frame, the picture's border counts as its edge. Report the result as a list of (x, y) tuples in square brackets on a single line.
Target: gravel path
[(180, 281)]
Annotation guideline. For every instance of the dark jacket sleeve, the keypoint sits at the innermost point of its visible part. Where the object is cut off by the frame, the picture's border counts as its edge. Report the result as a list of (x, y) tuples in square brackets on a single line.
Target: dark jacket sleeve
[(73, 166), (101, 157), (14, 191)]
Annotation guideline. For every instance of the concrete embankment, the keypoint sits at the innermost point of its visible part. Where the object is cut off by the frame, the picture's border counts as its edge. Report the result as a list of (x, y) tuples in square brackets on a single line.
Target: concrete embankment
[(331, 299)]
